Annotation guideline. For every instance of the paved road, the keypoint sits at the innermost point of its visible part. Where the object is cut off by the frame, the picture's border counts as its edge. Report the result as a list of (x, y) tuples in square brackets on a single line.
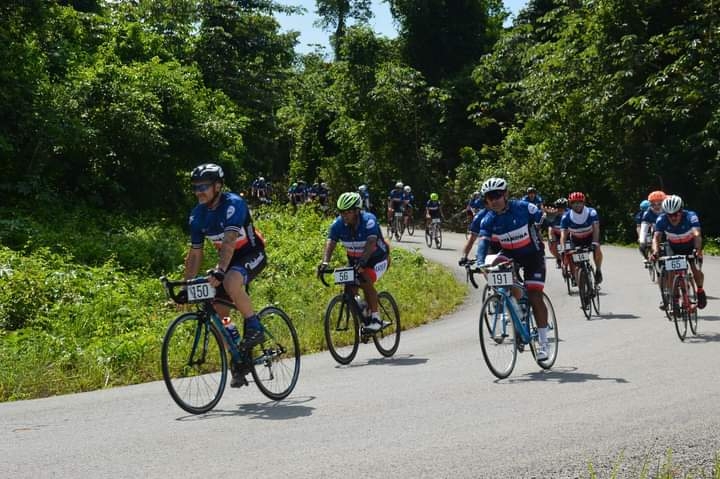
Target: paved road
[(623, 382)]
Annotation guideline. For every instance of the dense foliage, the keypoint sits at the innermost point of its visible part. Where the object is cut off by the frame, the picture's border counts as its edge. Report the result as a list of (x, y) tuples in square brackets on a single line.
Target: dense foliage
[(72, 323)]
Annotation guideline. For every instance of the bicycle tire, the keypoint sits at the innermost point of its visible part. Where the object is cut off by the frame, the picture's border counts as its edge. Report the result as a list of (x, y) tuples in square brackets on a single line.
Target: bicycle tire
[(678, 311), (387, 339), (665, 294), (583, 292), (568, 281), (429, 235), (438, 238), (193, 352), (276, 361), (594, 291), (692, 305), (552, 335), (342, 328), (411, 227), (400, 228), (497, 335)]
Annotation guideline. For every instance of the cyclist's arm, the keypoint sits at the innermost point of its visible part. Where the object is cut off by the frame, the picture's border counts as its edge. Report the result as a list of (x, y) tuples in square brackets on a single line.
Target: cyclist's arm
[(656, 242), (697, 238), (596, 233), (644, 229), (193, 261), (370, 246), (328, 252), (563, 237), (468, 245), (227, 249)]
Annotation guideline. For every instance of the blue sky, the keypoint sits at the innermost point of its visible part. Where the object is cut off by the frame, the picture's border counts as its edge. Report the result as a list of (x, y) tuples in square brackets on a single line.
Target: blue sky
[(381, 22)]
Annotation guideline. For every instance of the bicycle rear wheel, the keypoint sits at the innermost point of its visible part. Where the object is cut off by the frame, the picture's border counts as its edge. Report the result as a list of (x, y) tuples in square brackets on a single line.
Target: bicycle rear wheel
[(584, 292), (567, 274), (680, 314), (429, 235), (387, 339), (552, 335), (342, 328), (193, 353), (594, 291), (276, 362), (497, 336), (438, 237), (665, 293), (411, 227)]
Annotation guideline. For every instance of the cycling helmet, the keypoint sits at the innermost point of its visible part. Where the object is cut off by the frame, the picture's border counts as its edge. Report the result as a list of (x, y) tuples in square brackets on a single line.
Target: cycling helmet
[(476, 194), (493, 184), (434, 196), (644, 204), (672, 204), (407, 189), (656, 196), (348, 201), (207, 172), (261, 178), (399, 184), (362, 188), (531, 189), (323, 185), (561, 203), (576, 196)]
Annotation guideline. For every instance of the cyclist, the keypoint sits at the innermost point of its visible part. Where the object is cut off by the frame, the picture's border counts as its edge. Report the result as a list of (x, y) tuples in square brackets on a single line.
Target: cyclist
[(433, 209), (644, 205), (395, 200), (512, 224), (473, 206), (532, 196), (581, 226), (682, 231), (647, 224), (362, 238), (408, 202), (553, 218), (365, 196), (224, 218)]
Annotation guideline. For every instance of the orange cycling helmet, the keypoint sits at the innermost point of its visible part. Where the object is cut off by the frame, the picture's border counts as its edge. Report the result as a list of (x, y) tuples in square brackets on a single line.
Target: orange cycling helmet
[(656, 196), (576, 196)]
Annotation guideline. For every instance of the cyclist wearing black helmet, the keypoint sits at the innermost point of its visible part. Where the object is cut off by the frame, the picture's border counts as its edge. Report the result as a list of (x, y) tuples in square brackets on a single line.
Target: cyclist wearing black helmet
[(224, 219), (362, 238)]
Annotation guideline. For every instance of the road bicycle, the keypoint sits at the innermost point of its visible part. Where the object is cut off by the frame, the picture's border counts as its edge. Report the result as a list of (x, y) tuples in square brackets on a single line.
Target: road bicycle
[(411, 224), (433, 234), (506, 324), (588, 290), (567, 270), (197, 347), (681, 299), (396, 226), (346, 316)]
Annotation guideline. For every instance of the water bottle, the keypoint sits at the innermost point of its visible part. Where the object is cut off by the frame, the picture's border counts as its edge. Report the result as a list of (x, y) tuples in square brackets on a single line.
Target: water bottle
[(231, 329)]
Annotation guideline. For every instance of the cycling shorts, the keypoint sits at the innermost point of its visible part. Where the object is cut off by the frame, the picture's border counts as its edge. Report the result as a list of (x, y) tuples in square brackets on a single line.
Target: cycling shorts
[(533, 266), (247, 263), (375, 267), (576, 242)]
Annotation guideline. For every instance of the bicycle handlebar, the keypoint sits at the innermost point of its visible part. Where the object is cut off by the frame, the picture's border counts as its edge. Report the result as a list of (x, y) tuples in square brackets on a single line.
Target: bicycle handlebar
[(321, 274), (170, 286)]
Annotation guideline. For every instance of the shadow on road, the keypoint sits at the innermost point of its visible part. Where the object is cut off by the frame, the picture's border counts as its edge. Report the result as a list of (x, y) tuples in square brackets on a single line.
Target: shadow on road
[(397, 360), (703, 338), (274, 410), (709, 318), (616, 316), (561, 375)]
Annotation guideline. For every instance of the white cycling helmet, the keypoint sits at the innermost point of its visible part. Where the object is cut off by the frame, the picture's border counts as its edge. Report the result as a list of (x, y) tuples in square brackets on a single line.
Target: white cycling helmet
[(262, 179), (493, 184), (362, 188), (407, 189), (399, 184), (672, 204)]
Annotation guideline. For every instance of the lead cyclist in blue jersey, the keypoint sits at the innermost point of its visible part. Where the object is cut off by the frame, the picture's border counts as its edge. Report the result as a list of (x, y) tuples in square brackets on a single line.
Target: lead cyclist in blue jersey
[(512, 224), (362, 238), (224, 219)]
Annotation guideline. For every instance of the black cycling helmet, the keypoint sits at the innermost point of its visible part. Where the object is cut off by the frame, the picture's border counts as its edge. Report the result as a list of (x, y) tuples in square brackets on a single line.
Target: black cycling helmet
[(207, 172), (561, 203)]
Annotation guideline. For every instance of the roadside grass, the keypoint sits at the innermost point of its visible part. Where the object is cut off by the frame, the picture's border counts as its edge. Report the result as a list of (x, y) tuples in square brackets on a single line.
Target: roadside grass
[(69, 326), (663, 468)]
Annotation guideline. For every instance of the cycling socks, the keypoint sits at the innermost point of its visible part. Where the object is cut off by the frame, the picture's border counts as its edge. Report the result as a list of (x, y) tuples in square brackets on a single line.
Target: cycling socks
[(253, 322)]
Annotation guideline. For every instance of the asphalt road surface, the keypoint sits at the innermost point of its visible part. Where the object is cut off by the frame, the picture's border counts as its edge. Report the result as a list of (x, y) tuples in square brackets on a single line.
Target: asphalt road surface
[(623, 384)]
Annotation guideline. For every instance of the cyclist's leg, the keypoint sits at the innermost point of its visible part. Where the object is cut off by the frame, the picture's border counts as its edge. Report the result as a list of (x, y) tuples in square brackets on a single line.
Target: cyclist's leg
[(534, 276), (598, 257), (374, 270), (244, 269)]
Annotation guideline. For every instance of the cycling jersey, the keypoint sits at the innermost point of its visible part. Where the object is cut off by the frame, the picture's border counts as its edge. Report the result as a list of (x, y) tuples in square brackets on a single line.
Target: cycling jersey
[(396, 198), (231, 214), (474, 228), (433, 208), (680, 237), (554, 224), (408, 199), (579, 225), (650, 216), (475, 204), (512, 229), (538, 201), (638, 217), (354, 240)]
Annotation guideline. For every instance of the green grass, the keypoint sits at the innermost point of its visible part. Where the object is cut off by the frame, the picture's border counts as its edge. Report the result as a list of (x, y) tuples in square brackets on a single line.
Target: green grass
[(69, 325), (662, 468)]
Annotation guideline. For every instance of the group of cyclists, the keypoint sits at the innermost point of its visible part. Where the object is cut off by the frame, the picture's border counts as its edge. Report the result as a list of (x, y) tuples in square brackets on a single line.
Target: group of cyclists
[(300, 192), (505, 227)]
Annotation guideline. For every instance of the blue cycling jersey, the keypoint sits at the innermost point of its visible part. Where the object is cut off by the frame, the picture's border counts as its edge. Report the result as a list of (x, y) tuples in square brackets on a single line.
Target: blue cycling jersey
[(475, 204), (433, 208), (638, 217), (231, 214), (682, 233), (396, 196), (649, 216), (537, 201), (354, 239), (579, 225), (513, 229)]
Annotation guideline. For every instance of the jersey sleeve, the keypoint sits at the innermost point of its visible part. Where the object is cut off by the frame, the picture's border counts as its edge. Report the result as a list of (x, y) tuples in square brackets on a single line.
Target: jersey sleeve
[(196, 235), (371, 225), (535, 213), (236, 215), (335, 230), (694, 219)]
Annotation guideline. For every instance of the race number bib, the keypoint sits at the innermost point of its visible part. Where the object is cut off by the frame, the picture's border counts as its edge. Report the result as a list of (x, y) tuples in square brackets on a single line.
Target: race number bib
[(499, 279), (200, 292), (344, 275)]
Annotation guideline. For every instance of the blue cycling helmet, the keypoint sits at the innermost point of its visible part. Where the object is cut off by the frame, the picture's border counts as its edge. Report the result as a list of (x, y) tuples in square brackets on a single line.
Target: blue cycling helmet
[(644, 204)]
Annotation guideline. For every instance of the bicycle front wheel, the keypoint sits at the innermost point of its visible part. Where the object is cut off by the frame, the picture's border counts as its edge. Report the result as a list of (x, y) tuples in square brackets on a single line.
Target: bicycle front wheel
[(411, 227), (553, 340), (665, 291), (387, 339), (678, 311), (584, 292), (438, 237), (276, 362), (429, 236), (594, 292), (497, 336), (692, 306), (193, 353), (342, 328)]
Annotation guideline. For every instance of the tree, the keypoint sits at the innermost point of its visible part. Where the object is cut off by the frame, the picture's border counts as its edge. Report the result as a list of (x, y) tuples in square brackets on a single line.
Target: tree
[(335, 14)]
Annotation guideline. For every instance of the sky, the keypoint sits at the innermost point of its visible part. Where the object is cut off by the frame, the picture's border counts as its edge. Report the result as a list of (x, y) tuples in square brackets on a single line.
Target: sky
[(381, 22)]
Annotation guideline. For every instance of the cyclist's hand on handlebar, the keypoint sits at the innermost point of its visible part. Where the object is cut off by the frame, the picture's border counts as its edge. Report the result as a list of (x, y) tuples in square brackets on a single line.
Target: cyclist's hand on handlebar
[(463, 261), (322, 269), (182, 297)]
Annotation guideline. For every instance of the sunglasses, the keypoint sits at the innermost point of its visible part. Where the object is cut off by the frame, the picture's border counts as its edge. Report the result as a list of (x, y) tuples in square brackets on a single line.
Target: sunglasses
[(673, 215), (655, 205), (201, 187), (493, 195), (576, 203)]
